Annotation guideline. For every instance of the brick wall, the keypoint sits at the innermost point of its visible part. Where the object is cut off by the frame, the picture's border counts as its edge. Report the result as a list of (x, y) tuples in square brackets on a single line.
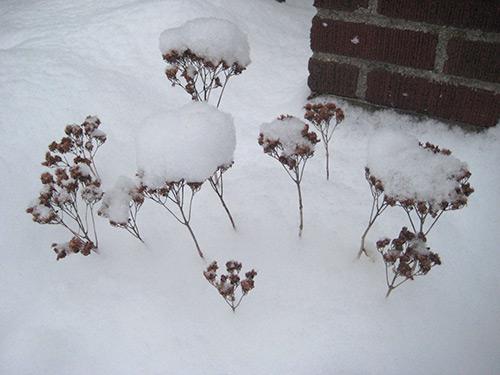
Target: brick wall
[(436, 57)]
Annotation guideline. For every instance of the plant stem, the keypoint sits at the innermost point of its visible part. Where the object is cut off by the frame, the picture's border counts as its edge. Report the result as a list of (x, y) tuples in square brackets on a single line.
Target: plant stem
[(185, 221), (217, 187), (194, 239), (222, 92), (391, 286), (327, 162), (301, 225), (379, 211)]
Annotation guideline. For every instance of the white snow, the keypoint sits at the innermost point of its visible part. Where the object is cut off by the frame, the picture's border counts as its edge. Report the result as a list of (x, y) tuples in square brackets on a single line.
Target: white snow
[(288, 131), (136, 309), (213, 39), (419, 246), (186, 144), (409, 171), (116, 201)]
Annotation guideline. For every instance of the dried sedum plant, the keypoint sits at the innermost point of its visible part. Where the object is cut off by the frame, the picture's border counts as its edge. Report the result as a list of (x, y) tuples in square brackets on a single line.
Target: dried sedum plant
[(72, 187), (227, 285), (288, 140), (321, 116), (202, 54), (407, 257), (423, 210), (198, 77)]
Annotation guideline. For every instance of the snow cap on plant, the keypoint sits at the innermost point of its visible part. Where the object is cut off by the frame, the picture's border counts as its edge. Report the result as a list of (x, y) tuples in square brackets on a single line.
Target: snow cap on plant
[(215, 40), (289, 138), (413, 173), (189, 144), (116, 202)]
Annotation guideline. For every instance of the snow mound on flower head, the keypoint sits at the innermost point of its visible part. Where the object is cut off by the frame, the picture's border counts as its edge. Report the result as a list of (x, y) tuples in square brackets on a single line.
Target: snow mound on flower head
[(115, 204), (211, 38), (288, 131), (188, 144), (409, 171)]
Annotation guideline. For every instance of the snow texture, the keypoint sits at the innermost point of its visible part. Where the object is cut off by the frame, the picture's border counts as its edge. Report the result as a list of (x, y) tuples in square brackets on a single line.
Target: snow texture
[(116, 202), (188, 144), (211, 38), (419, 246), (288, 131), (147, 309), (409, 171)]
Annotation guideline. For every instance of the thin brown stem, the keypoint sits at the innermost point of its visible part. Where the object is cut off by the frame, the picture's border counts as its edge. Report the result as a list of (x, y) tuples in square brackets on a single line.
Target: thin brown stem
[(376, 211), (301, 225), (218, 187)]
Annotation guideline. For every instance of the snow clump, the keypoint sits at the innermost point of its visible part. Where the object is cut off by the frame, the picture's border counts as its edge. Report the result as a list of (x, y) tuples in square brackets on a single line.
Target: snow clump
[(213, 39), (410, 171), (288, 131), (116, 202), (189, 144)]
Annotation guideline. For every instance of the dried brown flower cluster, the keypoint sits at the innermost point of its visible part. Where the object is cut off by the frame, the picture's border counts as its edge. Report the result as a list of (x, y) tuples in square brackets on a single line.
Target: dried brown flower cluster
[(302, 152), (407, 256), (76, 245), (321, 115), (172, 196), (74, 180), (228, 284), (197, 75)]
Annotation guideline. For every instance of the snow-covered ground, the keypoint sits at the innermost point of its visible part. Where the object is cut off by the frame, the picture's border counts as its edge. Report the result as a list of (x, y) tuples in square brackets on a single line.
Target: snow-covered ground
[(136, 309)]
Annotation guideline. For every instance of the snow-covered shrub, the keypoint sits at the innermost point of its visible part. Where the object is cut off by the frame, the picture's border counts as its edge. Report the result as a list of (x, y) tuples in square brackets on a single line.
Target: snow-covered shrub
[(288, 140), (321, 115), (121, 204), (407, 257), (72, 189), (227, 285), (203, 54), (422, 179), (178, 151)]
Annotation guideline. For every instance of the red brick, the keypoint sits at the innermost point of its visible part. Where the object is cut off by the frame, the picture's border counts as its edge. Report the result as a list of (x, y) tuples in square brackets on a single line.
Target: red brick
[(479, 60), (341, 5), (459, 103), (327, 77), (401, 47), (471, 14)]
